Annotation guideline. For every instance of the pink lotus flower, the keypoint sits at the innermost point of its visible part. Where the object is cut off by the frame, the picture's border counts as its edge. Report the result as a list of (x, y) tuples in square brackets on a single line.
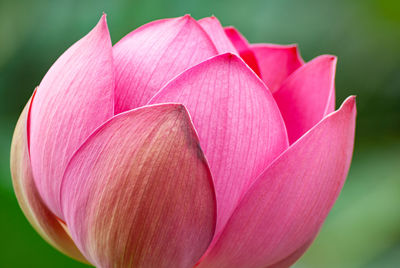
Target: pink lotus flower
[(182, 145)]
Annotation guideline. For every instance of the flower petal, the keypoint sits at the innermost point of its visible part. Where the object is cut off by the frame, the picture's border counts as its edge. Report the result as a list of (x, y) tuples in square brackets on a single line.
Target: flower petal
[(307, 95), (287, 204), (243, 46), (217, 34), (292, 258), (74, 97), (240, 127), (139, 193), (151, 55), (38, 215), (276, 62)]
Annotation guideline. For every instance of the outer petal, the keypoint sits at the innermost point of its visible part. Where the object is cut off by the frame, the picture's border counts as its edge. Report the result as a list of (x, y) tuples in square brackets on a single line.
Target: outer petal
[(74, 98), (292, 258), (150, 56), (242, 45), (276, 62), (239, 124), (42, 220), (288, 203), (217, 34), (306, 96), (139, 193)]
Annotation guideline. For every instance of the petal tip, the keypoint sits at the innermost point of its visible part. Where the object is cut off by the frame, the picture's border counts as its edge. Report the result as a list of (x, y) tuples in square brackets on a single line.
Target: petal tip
[(101, 28), (350, 102), (181, 109), (228, 56), (348, 107), (187, 18), (103, 21), (328, 58), (294, 47), (210, 18)]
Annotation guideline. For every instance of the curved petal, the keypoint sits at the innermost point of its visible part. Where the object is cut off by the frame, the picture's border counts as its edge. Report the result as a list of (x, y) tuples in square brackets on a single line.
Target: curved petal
[(139, 193), (240, 128), (307, 95), (276, 62), (243, 46), (217, 34), (74, 97), (151, 55), (288, 203), (293, 257), (38, 215)]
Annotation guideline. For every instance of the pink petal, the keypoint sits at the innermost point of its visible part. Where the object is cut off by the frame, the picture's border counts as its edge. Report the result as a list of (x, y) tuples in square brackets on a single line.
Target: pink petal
[(292, 258), (150, 56), (243, 46), (239, 124), (276, 62), (38, 215), (307, 95), (217, 34), (139, 193), (287, 204), (74, 97)]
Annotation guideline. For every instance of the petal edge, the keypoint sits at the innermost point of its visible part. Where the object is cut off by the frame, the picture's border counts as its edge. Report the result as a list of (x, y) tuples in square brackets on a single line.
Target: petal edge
[(288, 203), (143, 178)]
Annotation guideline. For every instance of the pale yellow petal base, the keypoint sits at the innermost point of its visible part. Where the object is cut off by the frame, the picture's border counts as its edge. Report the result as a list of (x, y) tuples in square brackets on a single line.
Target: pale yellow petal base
[(43, 221)]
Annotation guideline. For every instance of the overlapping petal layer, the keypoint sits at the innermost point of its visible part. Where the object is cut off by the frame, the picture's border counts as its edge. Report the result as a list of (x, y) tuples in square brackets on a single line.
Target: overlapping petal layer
[(39, 216), (139, 193), (151, 55), (292, 258), (74, 97), (217, 34), (239, 125), (243, 47), (276, 62), (307, 95), (287, 204)]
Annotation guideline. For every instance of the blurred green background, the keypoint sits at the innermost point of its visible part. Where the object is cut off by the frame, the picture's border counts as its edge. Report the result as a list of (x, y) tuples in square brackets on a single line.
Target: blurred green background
[(363, 229)]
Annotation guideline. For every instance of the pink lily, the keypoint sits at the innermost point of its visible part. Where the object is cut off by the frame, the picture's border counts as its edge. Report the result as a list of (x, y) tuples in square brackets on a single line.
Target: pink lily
[(182, 145)]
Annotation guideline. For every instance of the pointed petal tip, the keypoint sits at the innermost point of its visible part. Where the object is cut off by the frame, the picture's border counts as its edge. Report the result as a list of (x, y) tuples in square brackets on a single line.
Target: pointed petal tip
[(178, 108), (233, 58), (294, 47), (164, 141), (228, 56), (349, 103), (101, 27), (103, 20), (187, 17), (332, 59), (298, 53), (86, 64), (330, 143), (296, 50), (196, 87), (212, 17)]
